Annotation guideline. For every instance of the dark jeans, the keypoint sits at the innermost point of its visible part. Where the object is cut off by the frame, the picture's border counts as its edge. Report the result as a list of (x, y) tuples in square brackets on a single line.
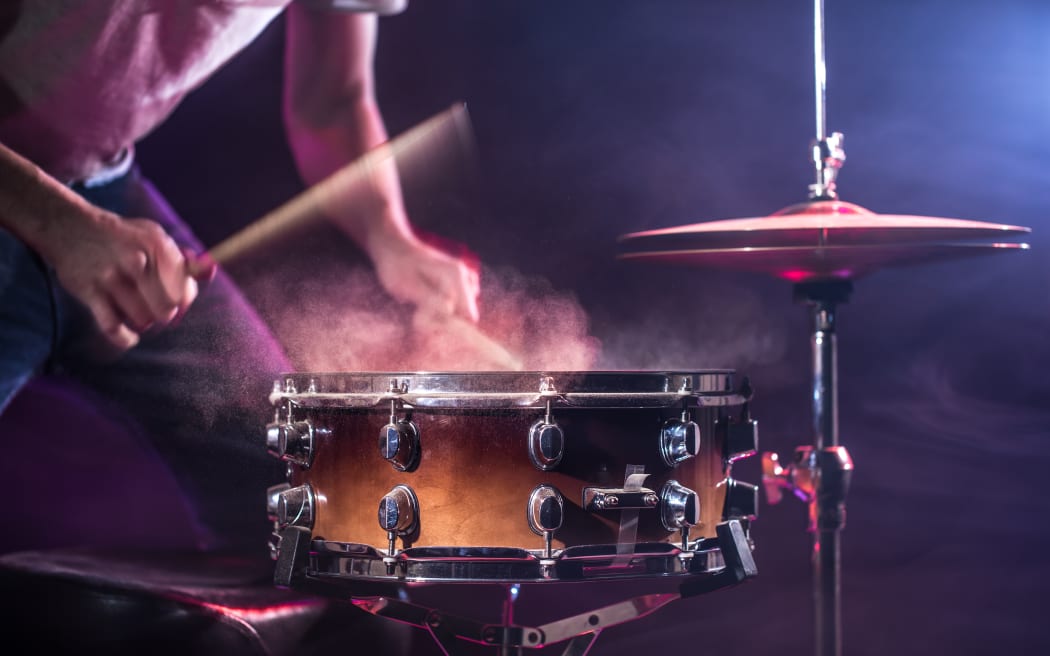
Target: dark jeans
[(195, 392)]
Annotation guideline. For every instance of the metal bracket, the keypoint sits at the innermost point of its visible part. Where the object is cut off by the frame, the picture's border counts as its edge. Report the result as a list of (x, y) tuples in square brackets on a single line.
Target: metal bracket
[(580, 630), (736, 552), (825, 473), (293, 555), (617, 498)]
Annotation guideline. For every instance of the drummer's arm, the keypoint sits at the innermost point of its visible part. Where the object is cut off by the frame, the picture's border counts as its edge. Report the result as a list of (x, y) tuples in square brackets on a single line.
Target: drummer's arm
[(332, 118), (331, 115), (129, 274)]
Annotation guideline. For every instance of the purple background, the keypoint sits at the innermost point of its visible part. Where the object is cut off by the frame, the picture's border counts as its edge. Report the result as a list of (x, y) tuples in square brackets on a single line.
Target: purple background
[(597, 118)]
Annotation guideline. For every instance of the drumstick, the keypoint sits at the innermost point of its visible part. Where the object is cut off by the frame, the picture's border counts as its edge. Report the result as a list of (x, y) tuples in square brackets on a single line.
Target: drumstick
[(486, 352), (429, 137)]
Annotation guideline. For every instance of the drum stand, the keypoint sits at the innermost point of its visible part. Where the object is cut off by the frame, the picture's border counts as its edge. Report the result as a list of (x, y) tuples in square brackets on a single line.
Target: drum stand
[(453, 633), (509, 639)]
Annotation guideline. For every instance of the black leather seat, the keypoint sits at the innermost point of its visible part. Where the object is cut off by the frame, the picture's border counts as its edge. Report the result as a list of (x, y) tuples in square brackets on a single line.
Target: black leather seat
[(149, 604), (97, 554)]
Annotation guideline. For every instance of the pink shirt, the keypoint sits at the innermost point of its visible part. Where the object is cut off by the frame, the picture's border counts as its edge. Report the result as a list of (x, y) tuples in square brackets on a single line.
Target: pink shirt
[(81, 80)]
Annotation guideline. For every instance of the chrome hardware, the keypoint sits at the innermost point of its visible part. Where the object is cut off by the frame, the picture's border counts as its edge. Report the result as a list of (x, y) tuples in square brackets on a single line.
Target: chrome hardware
[(831, 467), (399, 514), (741, 500), (828, 156), (292, 442), (679, 440), (546, 510), (273, 493), (598, 498), (546, 445), (680, 506), (546, 442), (399, 442), (398, 388), (294, 507), (547, 387), (836, 471), (796, 478)]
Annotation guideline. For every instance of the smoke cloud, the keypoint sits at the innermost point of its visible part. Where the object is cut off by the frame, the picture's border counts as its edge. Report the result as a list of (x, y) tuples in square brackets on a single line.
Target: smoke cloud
[(340, 319)]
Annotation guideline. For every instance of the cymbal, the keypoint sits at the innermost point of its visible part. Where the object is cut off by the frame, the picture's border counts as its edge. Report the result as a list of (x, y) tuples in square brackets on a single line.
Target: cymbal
[(820, 240)]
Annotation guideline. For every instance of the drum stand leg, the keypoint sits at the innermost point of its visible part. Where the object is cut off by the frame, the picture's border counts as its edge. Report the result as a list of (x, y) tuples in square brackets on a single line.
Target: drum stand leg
[(579, 631), (505, 647)]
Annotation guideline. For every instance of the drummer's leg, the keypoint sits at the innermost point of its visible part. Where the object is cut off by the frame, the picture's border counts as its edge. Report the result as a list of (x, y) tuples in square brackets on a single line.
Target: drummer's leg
[(27, 320), (198, 390)]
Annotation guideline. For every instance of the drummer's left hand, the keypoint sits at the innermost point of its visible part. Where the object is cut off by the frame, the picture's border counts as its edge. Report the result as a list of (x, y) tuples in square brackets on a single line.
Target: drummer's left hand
[(435, 281)]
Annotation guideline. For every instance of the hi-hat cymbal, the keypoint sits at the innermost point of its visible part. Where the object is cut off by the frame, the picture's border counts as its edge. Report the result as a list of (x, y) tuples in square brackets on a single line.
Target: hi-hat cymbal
[(820, 240)]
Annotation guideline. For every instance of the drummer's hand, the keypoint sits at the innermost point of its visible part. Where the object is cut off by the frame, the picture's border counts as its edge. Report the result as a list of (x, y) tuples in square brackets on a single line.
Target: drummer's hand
[(415, 272), (129, 273)]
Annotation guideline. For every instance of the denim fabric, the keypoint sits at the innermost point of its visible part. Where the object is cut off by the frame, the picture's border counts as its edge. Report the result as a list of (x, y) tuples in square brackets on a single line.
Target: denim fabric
[(197, 391), (28, 331)]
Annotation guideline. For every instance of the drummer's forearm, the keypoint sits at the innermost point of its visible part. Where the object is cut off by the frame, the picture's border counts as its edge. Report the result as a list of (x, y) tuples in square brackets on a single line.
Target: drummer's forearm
[(372, 213), (37, 208), (332, 118)]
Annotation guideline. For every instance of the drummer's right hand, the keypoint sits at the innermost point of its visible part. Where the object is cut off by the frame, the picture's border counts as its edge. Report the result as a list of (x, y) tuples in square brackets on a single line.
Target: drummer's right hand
[(129, 273)]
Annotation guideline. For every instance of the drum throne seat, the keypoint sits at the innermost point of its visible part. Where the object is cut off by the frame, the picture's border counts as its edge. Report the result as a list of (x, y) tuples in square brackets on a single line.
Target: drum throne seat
[(87, 566)]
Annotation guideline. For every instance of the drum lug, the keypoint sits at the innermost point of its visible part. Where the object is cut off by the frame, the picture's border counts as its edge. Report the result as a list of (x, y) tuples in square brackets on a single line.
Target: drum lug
[(546, 510), (292, 506), (292, 442), (399, 515), (680, 506), (679, 440), (546, 442), (399, 442), (272, 495)]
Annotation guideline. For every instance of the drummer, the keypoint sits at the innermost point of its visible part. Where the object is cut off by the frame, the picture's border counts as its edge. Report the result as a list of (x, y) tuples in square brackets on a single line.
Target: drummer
[(102, 283)]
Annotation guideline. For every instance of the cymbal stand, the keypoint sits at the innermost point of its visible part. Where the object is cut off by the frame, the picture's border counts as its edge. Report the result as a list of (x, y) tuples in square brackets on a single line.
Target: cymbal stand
[(821, 472)]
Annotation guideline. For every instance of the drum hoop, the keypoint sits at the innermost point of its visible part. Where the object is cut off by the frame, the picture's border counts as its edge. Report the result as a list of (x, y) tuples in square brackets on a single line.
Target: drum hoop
[(360, 562), (621, 389)]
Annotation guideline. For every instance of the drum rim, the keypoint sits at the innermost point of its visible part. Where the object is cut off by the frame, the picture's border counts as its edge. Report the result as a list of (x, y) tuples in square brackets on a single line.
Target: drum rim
[(496, 389)]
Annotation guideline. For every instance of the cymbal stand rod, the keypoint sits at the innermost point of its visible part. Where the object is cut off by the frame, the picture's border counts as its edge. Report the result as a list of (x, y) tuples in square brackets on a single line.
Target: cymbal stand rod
[(827, 152), (820, 70), (827, 573), (829, 464)]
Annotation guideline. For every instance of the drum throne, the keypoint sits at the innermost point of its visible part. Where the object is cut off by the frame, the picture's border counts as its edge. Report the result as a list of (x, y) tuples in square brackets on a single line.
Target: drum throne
[(96, 558)]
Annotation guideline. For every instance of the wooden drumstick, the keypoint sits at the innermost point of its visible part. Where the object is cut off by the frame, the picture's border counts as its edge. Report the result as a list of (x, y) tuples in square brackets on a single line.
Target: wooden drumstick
[(479, 350), (343, 186)]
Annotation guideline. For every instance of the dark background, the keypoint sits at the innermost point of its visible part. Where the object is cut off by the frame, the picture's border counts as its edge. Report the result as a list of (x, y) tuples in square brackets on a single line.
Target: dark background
[(598, 118)]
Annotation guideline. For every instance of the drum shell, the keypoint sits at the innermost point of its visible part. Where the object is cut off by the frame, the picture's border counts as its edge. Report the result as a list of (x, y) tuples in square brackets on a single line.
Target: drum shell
[(474, 476)]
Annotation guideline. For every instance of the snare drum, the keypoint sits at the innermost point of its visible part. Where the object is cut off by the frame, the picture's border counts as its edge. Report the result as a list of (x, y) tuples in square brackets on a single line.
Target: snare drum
[(508, 477)]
